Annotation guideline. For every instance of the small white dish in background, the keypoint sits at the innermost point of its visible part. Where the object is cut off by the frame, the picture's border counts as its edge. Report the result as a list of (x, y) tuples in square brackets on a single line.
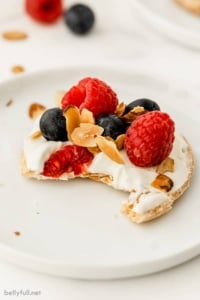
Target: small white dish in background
[(75, 228), (170, 19)]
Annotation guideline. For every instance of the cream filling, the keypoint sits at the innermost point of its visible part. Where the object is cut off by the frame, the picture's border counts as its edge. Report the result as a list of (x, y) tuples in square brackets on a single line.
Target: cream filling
[(126, 177)]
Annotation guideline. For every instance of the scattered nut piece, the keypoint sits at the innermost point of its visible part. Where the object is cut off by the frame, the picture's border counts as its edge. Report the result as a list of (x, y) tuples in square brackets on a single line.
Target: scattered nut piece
[(9, 102), (72, 116), (120, 109), (14, 35), (120, 141), (166, 165), (87, 116), (85, 135), (17, 69), (109, 148), (36, 109), (17, 233), (134, 113), (58, 97), (163, 183), (36, 134)]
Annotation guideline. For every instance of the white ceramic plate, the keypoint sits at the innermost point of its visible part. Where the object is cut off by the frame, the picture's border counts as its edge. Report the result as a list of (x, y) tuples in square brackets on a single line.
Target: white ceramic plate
[(169, 18), (75, 228)]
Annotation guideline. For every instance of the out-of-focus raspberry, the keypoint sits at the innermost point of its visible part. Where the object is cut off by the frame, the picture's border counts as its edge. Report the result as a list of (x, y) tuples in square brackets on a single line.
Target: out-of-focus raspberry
[(46, 11), (149, 139)]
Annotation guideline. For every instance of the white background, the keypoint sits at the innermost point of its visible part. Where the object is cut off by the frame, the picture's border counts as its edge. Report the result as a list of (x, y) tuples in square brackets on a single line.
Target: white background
[(119, 38)]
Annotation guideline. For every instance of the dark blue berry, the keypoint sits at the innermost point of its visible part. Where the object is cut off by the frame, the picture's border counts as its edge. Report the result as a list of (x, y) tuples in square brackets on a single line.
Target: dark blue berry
[(112, 124), (53, 125), (79, 18), (148, 105)]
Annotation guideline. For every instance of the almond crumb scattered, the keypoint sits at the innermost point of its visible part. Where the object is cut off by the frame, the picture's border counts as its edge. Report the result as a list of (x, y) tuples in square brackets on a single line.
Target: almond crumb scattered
[(9, 102), (166, 165), (163, 183), (17, 69), (17, 233), (14, 35), (36, 109)]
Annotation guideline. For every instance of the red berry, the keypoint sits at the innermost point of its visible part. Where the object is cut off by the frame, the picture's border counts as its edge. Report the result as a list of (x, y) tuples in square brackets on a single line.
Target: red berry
[(70, 158), (93, 94), (46, 11), (149, 139)]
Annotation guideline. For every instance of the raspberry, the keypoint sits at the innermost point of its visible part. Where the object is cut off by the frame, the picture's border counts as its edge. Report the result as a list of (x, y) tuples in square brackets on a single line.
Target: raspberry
[(149, 139), (93, 94), (70, 158), (46, 11)]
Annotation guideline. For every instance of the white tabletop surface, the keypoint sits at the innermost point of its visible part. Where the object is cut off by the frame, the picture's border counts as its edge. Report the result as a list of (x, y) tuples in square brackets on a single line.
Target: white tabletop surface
[(119, 38)]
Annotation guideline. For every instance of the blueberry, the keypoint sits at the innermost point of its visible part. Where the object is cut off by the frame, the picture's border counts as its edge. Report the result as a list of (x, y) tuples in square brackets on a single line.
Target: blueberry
[(79, 18), (146, 103), (112, 124), (53, 125)]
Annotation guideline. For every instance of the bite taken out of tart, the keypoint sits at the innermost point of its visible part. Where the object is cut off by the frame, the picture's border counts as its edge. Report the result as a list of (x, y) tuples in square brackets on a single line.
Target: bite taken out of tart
[(132, 147)]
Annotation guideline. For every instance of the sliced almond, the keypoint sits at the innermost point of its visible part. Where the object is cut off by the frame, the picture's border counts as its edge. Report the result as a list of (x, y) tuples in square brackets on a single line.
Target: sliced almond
[(36, 109), (36, 134), (109, 148), (120, 109), (166, 165), (14, 35), (17, 69), (163, 183), (134, 113), (94, 150), (9, 102), (72, 116), (120, 141), (85, 134), (87, 116)]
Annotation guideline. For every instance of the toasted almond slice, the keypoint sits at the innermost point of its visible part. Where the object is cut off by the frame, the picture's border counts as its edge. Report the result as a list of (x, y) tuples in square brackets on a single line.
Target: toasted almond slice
[(94, 150), (36, 134), (85, 134), (14, 35), (134, 113), (35, 109), (109, 148), (166, 165), (87, 116), (17, 69), (120, 109), (72, 116), (9, 102), (58, 97), (163, 183), (120, 141)]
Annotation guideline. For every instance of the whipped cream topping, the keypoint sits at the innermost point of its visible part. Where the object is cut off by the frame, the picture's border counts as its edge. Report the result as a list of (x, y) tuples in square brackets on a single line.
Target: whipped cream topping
[(126, 177)]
